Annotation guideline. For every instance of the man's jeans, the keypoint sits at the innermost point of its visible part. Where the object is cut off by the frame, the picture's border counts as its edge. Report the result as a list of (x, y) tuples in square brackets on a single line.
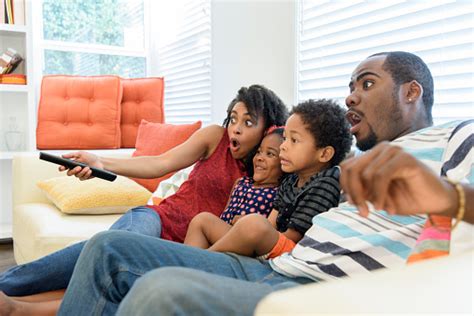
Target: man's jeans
[(188, 280), (54, 271)]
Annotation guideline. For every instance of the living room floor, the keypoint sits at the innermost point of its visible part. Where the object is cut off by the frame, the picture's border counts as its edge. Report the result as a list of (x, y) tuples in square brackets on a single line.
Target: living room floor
[(6, 256)]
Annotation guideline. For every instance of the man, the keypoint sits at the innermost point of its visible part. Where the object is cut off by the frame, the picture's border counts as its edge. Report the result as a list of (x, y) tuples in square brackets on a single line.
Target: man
[(391, 97)]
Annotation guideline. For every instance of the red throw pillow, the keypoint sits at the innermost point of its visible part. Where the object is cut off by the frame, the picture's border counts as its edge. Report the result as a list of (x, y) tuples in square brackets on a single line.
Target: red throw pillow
[(142, 99), (156, 138)]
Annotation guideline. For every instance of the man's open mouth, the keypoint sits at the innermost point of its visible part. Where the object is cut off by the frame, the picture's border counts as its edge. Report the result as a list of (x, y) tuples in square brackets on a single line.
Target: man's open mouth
[(354, 119)]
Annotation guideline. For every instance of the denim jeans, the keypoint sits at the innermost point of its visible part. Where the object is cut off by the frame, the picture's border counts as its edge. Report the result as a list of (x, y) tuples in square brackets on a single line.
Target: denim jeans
[(54, 271), (167, 278)]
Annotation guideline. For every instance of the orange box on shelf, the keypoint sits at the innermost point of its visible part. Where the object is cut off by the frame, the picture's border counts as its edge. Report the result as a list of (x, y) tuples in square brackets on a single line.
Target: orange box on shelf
[(13, 79)]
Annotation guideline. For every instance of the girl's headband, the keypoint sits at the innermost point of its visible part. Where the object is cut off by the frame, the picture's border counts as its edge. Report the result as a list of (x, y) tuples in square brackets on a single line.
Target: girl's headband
[(272, 128)]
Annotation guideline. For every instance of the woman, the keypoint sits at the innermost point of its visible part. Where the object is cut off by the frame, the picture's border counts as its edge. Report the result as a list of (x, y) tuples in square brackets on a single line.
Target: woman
[(222, 154)]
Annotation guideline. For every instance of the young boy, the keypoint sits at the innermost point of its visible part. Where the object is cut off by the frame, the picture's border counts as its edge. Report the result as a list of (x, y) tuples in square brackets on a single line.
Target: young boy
[(317, 139)]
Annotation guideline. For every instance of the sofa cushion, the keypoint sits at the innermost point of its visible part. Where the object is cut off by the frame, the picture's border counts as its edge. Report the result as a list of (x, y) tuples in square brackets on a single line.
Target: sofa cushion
[(40, 229), (142, 99), (155, 138), (94, 196), (79, 112)]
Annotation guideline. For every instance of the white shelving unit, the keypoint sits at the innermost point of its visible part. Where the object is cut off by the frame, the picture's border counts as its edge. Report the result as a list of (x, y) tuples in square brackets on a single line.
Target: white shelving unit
[(17, 113)]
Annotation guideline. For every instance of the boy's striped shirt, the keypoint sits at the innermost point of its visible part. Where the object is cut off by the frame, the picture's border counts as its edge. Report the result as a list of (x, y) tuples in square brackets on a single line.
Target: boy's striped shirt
[(342, 243)]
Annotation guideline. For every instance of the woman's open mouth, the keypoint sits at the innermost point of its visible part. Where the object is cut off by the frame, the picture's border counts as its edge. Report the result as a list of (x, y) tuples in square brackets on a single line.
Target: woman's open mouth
[(354, 119), (234, 144)]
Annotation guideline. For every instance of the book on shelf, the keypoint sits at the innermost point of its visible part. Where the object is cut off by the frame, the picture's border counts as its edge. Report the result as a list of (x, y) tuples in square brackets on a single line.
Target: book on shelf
[(9, 12), (2, 12), (12, 12), (9, 60), (13, 79), (19, 12)]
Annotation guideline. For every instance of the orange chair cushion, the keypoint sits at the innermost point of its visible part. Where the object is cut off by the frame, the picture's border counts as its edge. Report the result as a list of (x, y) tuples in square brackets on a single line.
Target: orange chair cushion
[(142, 99), (79, 112), (156, 138)]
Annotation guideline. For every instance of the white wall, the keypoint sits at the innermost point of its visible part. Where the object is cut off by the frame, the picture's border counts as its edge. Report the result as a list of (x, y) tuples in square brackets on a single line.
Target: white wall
[(252, 42)]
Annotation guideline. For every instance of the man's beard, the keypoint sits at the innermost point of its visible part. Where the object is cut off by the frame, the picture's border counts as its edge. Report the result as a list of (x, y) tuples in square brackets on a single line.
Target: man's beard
[(369, 142), (395, 120)]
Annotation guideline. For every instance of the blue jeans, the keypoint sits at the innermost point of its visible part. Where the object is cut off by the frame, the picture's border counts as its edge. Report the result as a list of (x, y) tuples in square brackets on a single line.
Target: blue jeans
[(188, 280), (54, 271)]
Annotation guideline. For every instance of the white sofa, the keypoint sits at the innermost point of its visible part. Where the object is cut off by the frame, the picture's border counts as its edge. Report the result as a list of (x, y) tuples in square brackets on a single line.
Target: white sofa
[(443, 286), (39, 228)]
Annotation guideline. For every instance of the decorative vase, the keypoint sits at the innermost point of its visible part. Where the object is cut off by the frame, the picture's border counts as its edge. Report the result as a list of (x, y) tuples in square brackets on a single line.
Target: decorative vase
[(13, 140), (13, 136)]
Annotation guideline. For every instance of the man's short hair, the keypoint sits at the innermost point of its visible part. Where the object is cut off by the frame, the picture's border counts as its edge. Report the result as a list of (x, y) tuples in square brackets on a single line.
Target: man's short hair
[(405, 67)]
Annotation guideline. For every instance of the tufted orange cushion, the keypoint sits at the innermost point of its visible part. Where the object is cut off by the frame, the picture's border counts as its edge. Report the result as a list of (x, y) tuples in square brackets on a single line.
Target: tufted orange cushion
[(79, 112), (155, 138), (142, 99)]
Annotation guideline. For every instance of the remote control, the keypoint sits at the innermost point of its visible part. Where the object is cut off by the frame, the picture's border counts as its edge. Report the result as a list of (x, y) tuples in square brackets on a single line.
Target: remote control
[(70, 164)]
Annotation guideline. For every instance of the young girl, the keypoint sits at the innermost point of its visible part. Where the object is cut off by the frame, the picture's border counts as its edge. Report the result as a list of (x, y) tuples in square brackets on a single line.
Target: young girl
[(249, 195), (317, 138), (222, 155)]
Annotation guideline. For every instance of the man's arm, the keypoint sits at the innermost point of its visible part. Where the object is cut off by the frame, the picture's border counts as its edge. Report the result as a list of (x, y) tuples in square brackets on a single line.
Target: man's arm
[(393, 180)]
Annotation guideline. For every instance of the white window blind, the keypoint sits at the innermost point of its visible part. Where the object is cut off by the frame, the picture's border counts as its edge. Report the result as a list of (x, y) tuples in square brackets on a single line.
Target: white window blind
[(185, 63), (334, 36)]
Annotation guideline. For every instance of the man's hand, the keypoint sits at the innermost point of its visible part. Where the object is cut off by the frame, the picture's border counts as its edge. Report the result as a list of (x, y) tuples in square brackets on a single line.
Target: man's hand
[(395, 181)]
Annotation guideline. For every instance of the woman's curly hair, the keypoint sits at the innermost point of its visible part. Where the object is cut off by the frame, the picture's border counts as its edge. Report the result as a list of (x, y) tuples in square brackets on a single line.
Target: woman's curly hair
[(260, 101)]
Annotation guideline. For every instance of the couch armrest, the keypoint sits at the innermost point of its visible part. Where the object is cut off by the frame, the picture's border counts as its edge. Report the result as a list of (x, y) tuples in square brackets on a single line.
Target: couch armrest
[(28, 169)]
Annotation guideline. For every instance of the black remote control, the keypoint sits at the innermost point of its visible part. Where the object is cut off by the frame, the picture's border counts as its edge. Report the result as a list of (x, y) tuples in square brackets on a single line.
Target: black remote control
[(70, 164)]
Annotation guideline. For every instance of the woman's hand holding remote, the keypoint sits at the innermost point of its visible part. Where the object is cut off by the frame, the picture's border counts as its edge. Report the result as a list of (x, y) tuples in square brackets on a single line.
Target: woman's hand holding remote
[(85, 157)]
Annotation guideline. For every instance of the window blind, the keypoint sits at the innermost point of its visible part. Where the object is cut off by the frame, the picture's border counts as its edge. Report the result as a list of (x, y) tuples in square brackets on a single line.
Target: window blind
[(334, 36), (185, 63)]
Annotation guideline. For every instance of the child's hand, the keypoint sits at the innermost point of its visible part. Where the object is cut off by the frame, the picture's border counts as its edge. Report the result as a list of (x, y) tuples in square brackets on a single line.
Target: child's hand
[(235, 219)]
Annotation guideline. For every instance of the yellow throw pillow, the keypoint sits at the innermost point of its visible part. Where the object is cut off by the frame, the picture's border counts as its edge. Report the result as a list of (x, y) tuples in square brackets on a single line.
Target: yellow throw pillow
[(94, 196)]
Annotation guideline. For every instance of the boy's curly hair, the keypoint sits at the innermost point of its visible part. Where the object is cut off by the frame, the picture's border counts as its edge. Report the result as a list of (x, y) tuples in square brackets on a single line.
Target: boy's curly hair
[(260, 101), (326, 121)]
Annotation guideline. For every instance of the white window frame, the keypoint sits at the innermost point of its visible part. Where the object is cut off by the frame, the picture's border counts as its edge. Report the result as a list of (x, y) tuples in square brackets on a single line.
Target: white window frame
[(40, 44)]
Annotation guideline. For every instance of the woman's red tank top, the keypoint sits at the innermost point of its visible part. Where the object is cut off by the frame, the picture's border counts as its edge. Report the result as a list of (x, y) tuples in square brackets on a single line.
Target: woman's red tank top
[(206, 190)]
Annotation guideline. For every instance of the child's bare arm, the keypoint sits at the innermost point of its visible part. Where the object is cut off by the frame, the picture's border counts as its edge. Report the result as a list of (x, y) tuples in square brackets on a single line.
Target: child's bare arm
[(290, 233), (272, 218), (293, 234)]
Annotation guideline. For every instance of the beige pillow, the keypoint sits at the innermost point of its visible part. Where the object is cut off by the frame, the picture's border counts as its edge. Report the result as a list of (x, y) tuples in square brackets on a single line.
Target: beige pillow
[(94, 196)]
